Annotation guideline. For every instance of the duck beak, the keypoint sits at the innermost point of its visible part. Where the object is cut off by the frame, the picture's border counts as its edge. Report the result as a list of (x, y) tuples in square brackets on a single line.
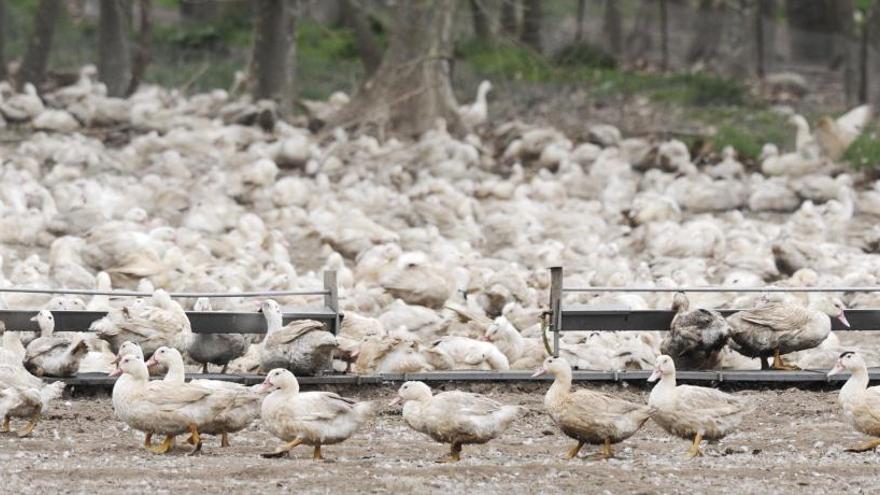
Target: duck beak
[(33, 319), (838, 368), (116, 372), (842, 317), (540, 372), (151, 362), (395, 401), (654, 376)]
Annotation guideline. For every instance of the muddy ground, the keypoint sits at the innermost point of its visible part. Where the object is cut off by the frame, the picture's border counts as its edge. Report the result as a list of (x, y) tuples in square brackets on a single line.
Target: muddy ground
[(793, 443)]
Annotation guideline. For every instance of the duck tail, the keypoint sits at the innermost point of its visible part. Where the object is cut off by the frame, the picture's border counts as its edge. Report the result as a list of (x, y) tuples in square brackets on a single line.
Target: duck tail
[(51, 392), (507, 414), (365, 410)]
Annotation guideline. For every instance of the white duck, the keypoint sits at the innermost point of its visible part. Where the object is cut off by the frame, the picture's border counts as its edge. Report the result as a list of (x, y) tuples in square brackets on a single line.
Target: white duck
[(151, 325), (241, 405), (860, 403), (48, 355), (475, 114), (521, 352), (310, 418), (687, 411), (588, 416), (836, 136), (457, 353), (304, 347), (23, 395), (454, 417)]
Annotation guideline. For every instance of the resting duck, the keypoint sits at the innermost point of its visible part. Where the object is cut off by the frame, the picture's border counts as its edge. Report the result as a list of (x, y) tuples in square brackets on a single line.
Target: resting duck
[(454, 417), (22, 395), (159, 407), (587, 416), (377, 354), (687, 411), (304, 347), (776, 328), (241, 404), (461, 353), (310, 418), (695, 338), (48, 355), (151, 325), (215, 348), (522, 353), (861, 404)]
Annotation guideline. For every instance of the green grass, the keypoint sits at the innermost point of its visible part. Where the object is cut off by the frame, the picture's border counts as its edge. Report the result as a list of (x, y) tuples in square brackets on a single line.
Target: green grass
[(865, 151)]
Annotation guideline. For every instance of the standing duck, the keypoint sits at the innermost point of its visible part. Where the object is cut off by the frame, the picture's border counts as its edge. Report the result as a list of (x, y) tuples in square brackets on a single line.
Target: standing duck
[(22, 395), (587, 416), (695, 338), (860, 403), (310, 418), (215, 348), (48, 355), (454, 417), (776, 328), (240, 404), (687, 411), (304, 347), (151, 325)]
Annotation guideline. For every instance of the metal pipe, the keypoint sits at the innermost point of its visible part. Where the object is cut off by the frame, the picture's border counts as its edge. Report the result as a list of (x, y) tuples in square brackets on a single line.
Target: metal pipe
[(721, 289), (124, 293)]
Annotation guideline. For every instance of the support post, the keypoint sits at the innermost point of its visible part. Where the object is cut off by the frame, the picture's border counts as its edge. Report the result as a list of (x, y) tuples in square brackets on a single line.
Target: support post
[(555, 306), (331, 297)]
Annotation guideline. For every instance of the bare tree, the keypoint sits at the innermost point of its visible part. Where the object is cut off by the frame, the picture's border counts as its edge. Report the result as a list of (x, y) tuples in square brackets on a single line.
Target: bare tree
[(200, 10), (581, 13), (708, 25), (533, 16), (2, 39), (36, 57), (813, 25), (612, 26), (271, 61), (639, 40), (845, 28), (509, 21), (143, 52), (114, 64), (411, 90), (869, 25), (355, 18), (481, 19), (664, 36)]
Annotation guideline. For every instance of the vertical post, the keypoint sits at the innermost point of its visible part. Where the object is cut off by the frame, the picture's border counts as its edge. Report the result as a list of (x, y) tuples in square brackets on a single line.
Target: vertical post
[(331, 298), (664, 36), (555, 306), (759, 39)]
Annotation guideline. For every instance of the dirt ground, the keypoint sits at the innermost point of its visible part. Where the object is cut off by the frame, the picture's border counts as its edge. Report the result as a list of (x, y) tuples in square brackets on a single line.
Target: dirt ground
[(792, 443)]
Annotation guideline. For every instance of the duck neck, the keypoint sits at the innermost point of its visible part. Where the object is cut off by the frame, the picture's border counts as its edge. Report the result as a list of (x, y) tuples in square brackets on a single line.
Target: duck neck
[(560, 388), (667, 383), (856, 384), (46, 329), (273, 322), (176, 372)]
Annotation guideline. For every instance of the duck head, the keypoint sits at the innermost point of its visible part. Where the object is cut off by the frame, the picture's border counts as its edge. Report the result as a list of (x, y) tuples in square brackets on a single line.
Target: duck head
[(128, 348), (554, 366), (132, 365), (412, 391), (164, 356), (680, 302), (46, 322), (663, 367), (834, 308), (280, 379), (848, 361)]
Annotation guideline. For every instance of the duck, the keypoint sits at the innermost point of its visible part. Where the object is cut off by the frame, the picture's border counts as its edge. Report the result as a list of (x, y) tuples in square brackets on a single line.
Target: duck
[(521, 352), (460, 353), (588, 416), (454, 417), (304, 347), (310, 418), (241, 403), (151, 325), (476, 113), (159, 407), (48, 355), (688, 411), (777, 328), (22, 107), (23, 395), (380, 354), (860, 403), (215, 348), (835, 136), (696, 337)]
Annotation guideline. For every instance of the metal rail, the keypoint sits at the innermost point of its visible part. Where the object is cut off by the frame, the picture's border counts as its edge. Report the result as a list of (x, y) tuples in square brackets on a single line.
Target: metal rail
[(722, 289), (176, 295)]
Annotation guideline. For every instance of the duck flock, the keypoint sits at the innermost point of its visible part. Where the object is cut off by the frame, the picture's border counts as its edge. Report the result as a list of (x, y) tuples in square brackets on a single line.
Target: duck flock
[(440, 244)]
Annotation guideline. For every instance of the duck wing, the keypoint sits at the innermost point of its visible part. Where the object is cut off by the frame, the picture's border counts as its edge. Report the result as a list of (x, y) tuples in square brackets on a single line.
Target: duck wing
[(325, 406), (601, 408), (855, 120), (467, 403), (172, 396), (709, 401), (46, 345), (293, 331), (776, 317)]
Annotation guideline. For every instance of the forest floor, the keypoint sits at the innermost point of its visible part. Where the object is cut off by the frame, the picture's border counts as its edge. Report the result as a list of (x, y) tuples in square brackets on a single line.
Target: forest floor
[(794, 441)]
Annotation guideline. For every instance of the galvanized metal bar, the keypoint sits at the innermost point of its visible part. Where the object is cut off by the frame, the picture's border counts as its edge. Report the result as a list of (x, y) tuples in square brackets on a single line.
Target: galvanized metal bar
[(585, 318), (755, 377), (201, 322), (331, 298), (722, 289), (176, 295), (556, 306)]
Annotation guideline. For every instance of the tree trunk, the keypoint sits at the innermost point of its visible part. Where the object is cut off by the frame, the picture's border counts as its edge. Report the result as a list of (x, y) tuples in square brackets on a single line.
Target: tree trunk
[(709, 25), (845, 41), (812, 27), (664, 36), (481, 19), (2, 39), (114, 65), (412, 88), (354, 17), (532, 17), (509, 22), (143, 52), (36, 57), (581, 13), (200, 10), (639, 42), (760, 67), (613, 27), (271, 62)]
